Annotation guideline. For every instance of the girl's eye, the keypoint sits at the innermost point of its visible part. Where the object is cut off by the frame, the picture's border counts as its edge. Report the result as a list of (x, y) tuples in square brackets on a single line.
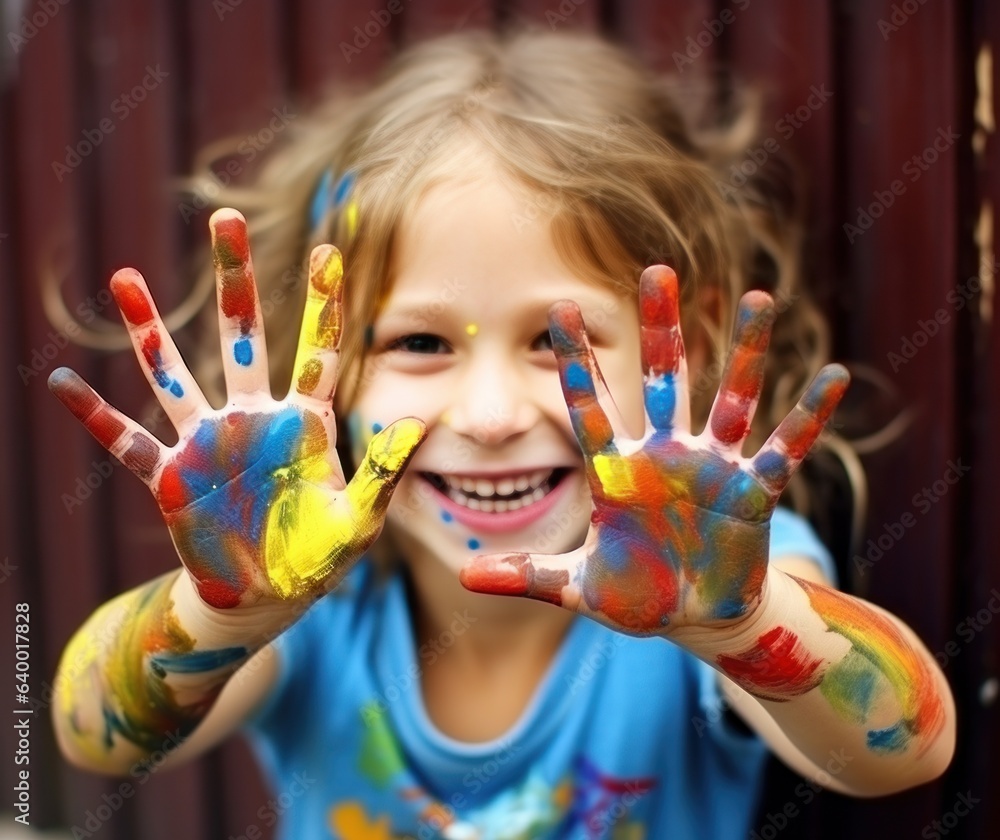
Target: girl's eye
[(543, 342), (419, 343)]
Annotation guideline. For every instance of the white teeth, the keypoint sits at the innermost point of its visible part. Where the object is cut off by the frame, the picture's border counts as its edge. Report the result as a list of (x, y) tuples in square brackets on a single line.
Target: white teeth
[(484, 494)]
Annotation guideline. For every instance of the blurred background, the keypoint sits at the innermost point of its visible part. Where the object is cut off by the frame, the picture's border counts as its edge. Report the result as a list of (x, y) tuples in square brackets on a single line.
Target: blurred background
[(888, 107)]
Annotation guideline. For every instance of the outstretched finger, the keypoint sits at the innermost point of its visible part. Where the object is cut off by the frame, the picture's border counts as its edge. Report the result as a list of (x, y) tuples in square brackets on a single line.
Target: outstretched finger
[(161, 361), (315, 372), (743, 377), (121, 436), (544, 577), (583, 385), (664, 367), (244, 354), (781, 455), (368, 493)]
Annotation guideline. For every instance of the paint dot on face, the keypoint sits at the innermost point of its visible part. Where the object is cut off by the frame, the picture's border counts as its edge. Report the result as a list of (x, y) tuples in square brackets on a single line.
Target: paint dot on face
[(447, 517), (472, 329), (474, 544)]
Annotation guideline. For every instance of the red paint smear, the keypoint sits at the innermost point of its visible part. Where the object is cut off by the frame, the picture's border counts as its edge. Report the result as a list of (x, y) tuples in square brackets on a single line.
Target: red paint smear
[(151, 351), (636, 597), (142, 456), (232, 255), (132, 302), (239, 300), (87, 407), (231, 240), (777, 668), (171, 492), (218, 594), (730, 421), (512, 575)]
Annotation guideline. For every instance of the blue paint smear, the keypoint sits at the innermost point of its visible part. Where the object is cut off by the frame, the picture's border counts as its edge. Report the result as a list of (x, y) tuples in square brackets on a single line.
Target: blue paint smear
[(196, 662), (243, 351), (447, 517), (176, 389), (376, 428), (577, 377), (771, 466), (892, 739), (474, 544), (661, 402)]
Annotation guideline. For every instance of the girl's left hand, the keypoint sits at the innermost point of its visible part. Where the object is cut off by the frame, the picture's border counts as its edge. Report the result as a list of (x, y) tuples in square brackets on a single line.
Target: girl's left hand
[(680, 529)]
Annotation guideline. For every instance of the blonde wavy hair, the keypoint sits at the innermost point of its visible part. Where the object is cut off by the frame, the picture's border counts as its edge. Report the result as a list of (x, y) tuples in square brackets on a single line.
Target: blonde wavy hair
[(630, 168)]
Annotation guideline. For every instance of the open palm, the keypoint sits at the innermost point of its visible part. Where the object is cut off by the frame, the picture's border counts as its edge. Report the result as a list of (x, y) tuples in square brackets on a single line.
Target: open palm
[(680, 527), (253, 494)]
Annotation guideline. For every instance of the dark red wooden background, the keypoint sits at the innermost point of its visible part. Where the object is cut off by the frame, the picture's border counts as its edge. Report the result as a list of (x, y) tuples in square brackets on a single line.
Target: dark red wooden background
[(228, 63)]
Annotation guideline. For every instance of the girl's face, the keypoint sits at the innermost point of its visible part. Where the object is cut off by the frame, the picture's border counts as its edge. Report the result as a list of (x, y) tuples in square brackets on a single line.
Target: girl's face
[(462, 344)]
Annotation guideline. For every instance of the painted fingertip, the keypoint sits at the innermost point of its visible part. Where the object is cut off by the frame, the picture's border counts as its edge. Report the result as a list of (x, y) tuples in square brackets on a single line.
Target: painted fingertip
[(230, 243), (754, 320), (61, 377), (393, 447), (566, 327), (658, 295), (129, 291), (326, 268), (497, 575), (827, 389)]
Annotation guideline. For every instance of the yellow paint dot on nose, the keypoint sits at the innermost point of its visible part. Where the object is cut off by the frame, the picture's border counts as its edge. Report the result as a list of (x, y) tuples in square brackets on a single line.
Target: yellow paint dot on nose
[(472, 329)]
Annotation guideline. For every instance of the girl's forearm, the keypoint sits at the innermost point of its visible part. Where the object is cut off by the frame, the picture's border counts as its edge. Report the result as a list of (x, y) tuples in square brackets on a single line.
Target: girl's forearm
[(143, 671), (836, 673)]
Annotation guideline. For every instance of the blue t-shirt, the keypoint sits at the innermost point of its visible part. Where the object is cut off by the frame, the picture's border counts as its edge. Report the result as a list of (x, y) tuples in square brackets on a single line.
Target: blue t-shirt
[(623, 739)]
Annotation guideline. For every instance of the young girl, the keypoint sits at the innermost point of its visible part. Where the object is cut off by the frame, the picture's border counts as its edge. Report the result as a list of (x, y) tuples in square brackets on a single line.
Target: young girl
[(496, 200)]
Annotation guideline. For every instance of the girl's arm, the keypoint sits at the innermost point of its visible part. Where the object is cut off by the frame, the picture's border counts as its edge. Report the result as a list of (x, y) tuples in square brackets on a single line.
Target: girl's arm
[(678, 548), (147, 669), (841, 690), (256, 503)]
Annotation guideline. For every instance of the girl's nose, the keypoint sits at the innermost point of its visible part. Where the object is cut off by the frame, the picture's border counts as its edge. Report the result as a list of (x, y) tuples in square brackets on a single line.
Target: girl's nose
[(493, 403)]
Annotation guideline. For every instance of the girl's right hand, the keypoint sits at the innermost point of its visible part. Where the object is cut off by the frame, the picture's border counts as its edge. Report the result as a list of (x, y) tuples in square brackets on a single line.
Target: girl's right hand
[(253, 494)]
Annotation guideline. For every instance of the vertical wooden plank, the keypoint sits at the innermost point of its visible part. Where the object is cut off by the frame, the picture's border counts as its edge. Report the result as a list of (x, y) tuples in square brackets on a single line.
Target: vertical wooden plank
[(976, 655), (784, 50), (340, 41), (49, 194), (676, 36), (438, 17), (897, 248), (553, 14)]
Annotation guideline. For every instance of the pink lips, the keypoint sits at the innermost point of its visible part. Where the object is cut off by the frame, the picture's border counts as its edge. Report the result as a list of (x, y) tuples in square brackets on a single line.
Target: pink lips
[(496, 523)]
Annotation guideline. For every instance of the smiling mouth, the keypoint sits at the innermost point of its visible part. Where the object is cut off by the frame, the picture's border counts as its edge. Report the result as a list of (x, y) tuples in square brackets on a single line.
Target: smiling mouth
[(498, 495)]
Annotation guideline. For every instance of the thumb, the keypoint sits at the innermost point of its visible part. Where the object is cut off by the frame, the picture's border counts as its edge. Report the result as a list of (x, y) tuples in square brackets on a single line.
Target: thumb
[(368, 493), (544, 577)]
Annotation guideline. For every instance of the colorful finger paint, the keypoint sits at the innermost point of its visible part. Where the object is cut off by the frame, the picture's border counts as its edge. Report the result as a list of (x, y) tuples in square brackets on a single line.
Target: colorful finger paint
[(777, 667), (680, 528), (133, 669), (879, 650), (744, 374), (137, 311), (251, 509), (141, 455), (321, 321), (237, 294)]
